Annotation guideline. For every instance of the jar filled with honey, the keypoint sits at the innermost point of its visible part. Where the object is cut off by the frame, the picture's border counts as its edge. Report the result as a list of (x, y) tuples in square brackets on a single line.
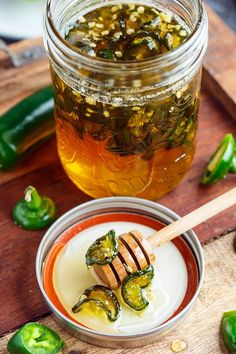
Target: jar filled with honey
[(126, 77)]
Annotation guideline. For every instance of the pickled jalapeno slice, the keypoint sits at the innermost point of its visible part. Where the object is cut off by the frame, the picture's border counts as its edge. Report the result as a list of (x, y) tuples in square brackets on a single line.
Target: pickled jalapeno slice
[(221, 162), (99, 298), (103, 250), (132, 288), (126, 32)]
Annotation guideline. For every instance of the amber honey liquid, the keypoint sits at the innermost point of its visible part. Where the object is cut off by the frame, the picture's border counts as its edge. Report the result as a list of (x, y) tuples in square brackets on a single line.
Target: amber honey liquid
[(114, 148)]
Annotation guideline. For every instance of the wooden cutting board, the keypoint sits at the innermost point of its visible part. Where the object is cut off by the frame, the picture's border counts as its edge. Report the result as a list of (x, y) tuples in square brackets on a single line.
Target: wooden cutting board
[(217, 296), (18, 287)]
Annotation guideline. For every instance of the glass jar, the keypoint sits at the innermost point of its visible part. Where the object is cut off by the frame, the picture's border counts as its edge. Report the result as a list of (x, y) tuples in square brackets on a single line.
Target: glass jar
[(126, 128)]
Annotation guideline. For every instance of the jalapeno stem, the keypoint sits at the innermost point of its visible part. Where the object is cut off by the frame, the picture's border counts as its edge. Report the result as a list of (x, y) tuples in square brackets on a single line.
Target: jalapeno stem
[(32, 198)]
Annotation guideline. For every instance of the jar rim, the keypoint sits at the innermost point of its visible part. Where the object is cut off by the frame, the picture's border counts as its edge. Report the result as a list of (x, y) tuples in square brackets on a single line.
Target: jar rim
[(81, 57), (160, 71)]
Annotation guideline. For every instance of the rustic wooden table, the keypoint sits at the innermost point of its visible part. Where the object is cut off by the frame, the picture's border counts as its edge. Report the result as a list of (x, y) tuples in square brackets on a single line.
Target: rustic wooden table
[(200, 330), (21, 299)]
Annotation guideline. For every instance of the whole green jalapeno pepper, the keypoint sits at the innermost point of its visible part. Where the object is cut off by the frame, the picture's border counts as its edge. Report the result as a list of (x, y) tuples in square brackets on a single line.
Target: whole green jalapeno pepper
[(228, 330), (34, 212), (25, 126)]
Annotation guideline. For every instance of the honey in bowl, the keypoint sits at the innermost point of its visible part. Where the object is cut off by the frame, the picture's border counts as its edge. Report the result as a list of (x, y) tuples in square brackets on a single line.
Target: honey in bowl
[(132, 138), (175, 276)]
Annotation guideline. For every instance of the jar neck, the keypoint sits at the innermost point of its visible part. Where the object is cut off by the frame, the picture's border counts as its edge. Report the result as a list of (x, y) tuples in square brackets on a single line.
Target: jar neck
[(160, 72)]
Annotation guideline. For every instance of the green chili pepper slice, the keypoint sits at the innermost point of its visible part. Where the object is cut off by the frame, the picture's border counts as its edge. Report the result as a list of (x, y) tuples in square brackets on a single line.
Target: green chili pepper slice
[(103, 250), (228, 330), (132, 288), (34, 212), (106, 54), (35, 338), (99, 297), (233, 166), (221, 161)]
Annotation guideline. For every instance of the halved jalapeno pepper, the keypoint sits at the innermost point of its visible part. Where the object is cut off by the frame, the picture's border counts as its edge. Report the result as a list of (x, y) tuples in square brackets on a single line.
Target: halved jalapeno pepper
[(103, 250), (221, 162), (132, 288), (96, 298), (35, 338), (34, 211)]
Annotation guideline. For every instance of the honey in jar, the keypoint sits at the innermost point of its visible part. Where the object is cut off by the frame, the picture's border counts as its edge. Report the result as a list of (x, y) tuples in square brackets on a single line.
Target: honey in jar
[(126, 81)]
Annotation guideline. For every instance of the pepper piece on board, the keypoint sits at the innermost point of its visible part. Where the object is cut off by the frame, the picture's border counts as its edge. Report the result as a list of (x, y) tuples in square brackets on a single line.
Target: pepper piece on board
[(228, 330), (103, 250), (34, 212), (35, 338), (132, 288), (221, 162), (96, 298), (25, 126), (233, 166)]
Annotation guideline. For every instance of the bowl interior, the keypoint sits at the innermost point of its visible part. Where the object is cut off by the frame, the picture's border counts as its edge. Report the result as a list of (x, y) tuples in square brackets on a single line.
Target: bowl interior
[(174, 285)]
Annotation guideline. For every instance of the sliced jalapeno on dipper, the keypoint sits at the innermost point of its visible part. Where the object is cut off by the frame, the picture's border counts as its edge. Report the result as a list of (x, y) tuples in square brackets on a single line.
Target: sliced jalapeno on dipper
[(34, 212), (132, 288), (221, 162), (96, 298), (35, 338), (103, 250)]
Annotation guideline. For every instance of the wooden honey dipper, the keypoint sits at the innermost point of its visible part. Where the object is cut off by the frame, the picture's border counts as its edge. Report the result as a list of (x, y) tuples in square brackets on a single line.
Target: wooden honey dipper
[(135, 251)]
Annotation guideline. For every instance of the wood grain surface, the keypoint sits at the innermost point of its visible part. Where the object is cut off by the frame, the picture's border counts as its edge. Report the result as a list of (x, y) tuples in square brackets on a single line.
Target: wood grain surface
[(18, 287), (220, 63), (200, 330)]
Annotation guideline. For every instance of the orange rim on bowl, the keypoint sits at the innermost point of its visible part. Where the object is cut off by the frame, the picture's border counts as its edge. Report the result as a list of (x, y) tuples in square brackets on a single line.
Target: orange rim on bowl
[(190, 261), (147, 214)]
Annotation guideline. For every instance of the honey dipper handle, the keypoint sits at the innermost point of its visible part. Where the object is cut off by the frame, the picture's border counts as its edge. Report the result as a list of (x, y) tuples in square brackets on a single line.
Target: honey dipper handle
[(194, 218)]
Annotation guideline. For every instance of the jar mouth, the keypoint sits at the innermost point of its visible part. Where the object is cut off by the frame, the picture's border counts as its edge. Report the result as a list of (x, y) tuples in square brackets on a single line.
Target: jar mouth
[(160, 71), (126, 65)]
